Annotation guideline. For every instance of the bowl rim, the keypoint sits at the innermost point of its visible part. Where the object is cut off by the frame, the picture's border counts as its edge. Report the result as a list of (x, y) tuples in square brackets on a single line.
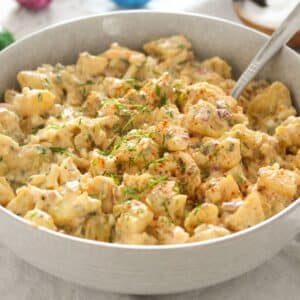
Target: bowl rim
[(236, 235)]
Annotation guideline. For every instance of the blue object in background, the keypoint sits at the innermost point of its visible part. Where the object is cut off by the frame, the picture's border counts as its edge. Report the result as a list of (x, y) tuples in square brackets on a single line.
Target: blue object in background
[(131, 3)]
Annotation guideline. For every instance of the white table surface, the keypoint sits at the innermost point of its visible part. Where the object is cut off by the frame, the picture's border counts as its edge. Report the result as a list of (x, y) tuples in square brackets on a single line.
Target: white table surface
[(278, 279)]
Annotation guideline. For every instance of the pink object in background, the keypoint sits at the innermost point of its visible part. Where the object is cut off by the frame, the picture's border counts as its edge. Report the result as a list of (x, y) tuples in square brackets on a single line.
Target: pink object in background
[(34, 4)]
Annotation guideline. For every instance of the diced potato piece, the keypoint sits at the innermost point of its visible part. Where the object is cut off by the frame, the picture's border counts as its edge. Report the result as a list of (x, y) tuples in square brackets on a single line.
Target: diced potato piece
[(248, 214), (135, 184), (164, 201), (204, 213), (168, 233), (90, 66), (288, 132), (159, 92), (176, 208), (279, 186), (228, 153), (40, 218), (203, 91), (62, 136), (250, 138), (33, 102), (220, 154), (239, 175), (141, 151), (218, 65), (203, 119), (71, 209), (6, 192), (274, 100), (9, 95), (117, 52), (91, 133), (25, 200), (259, 147), (99, 227), (133, 217), (168, 112), (32, 79), (9, 124), (101, 164), (68, 171), (92, 104), (207, 232), (182, 165), (57, 175), (8, 147), (167, 48), (103, 188), (280, 181), (175, 138), (221, 189)]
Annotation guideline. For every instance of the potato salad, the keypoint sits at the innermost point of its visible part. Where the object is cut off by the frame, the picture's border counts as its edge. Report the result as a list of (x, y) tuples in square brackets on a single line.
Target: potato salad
[(147, 147)]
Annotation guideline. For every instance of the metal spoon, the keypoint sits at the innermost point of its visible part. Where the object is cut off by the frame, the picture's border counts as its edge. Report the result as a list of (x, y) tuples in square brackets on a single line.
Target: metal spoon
[(278, 39)]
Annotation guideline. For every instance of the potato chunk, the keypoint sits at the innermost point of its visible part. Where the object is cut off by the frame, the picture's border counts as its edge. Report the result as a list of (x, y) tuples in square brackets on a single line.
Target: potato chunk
[(279, 186), (32, 79), (133, 217), (25, 200), (99, 227), (9, 124), (164, 201), (218, 65), (248, 214), (6, 192), (103, 188), (40, 218), (221, 189), (33, 102), (71, 209), (270, 107), (207, 232), (167, 48), (203, 119), (168, 233), (204, 213), (90, 65), (288, 132)]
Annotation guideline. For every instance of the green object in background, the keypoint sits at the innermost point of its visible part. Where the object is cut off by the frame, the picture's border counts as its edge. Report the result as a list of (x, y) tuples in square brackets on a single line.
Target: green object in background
[(6, 38)]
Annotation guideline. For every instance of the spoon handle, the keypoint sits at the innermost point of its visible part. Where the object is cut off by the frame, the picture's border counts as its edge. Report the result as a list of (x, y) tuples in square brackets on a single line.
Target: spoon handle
[(278, 39)]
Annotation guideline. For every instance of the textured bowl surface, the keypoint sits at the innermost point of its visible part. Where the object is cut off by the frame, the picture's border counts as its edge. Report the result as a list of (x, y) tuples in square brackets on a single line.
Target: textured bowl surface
[(155, 269)]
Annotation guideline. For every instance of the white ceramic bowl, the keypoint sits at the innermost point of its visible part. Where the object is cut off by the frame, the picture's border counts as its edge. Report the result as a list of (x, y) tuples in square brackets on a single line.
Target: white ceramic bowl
[(147, 269)]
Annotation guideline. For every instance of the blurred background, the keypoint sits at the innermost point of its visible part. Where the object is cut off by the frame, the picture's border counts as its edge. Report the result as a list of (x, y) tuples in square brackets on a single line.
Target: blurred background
[(21, 17), (21, 21)]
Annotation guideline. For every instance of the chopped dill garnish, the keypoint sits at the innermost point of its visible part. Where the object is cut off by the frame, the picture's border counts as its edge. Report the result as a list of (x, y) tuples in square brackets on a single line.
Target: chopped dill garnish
[(205, 174), (41, 150), (60, 150), (157, 90), (155, 161), (134, 84), (162, 101), (34, 130), (40, 97), (55, 126), (133, 192), (88, 82)]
